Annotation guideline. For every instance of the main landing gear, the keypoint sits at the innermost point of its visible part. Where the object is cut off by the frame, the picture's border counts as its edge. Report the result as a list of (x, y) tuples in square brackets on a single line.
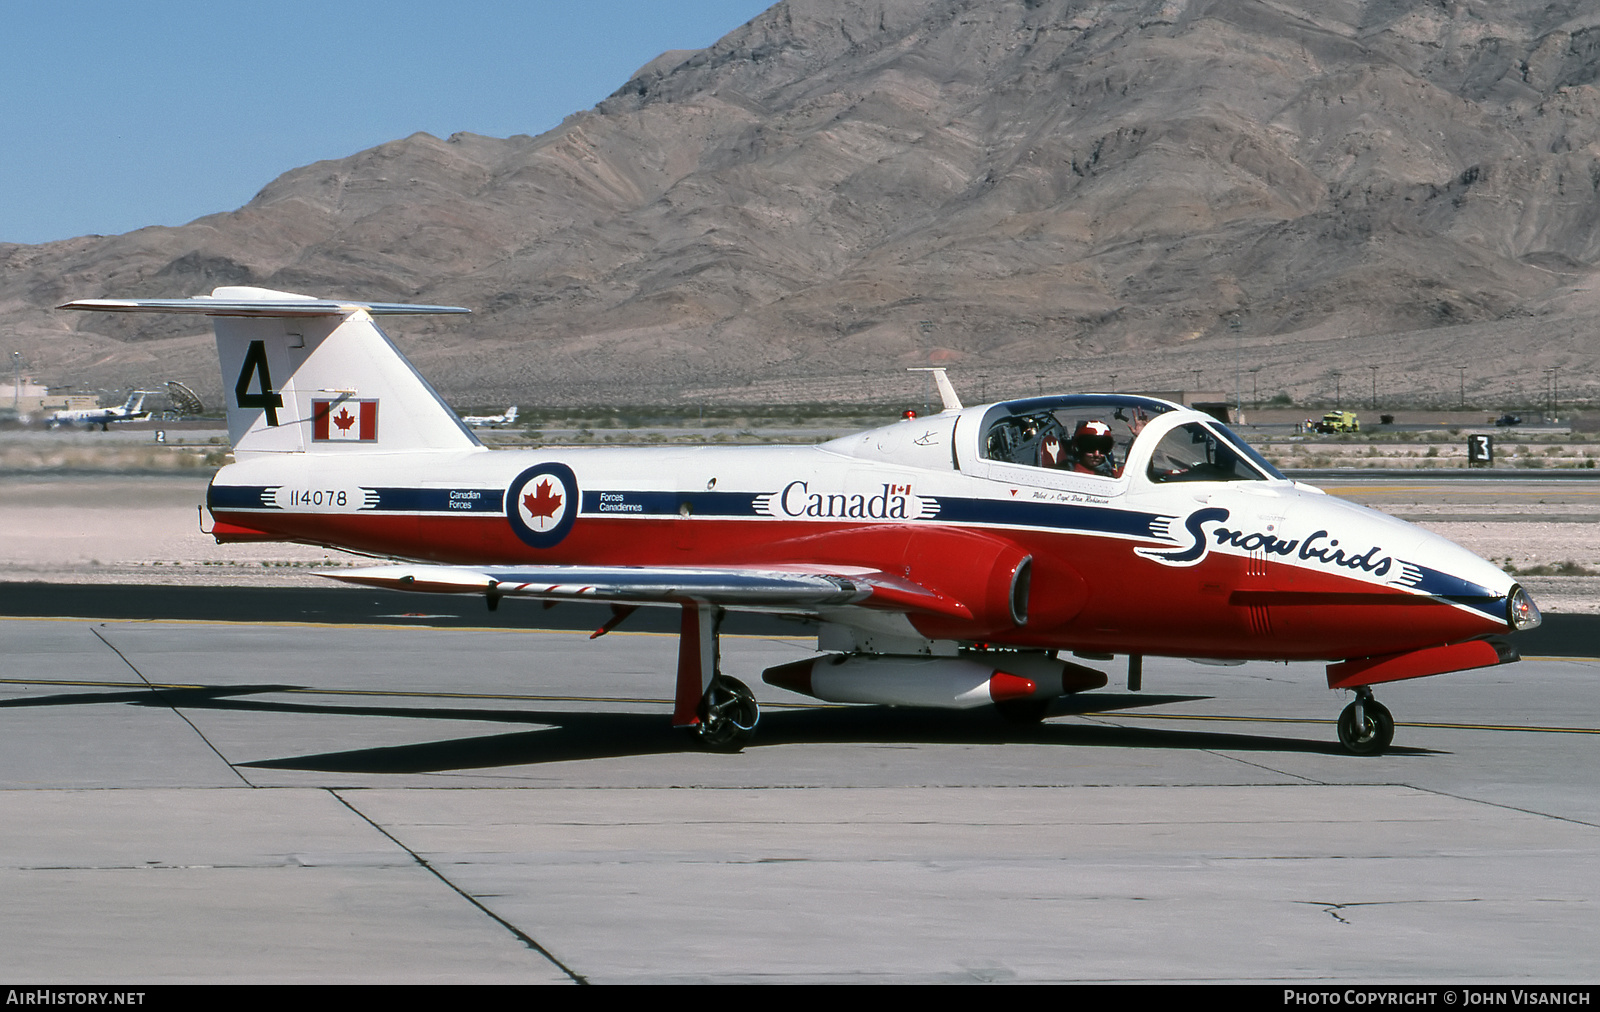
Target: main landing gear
[(1366, 727), (720, 711), (728, 715)]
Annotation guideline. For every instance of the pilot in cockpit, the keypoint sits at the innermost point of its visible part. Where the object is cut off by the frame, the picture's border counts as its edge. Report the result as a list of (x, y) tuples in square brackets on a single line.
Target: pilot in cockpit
[(1091, 450), (1047, 439)]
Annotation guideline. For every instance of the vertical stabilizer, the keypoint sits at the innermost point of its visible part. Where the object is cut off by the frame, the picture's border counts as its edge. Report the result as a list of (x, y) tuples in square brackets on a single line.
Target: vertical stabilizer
[(305, 375)]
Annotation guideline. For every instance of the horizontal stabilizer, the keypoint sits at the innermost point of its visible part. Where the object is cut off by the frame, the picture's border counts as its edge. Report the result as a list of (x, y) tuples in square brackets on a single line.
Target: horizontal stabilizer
[(284, 306)]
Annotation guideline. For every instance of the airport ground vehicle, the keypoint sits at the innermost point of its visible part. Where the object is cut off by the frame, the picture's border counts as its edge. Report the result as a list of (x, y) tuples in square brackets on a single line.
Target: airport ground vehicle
[(1339, 421)]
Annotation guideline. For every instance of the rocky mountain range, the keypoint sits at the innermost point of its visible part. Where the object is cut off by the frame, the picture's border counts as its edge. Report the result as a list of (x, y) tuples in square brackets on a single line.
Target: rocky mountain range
[(1283, 195)]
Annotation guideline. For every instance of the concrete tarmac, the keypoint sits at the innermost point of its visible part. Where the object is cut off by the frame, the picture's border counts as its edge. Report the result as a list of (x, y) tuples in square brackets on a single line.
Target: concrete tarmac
[(300, 803)]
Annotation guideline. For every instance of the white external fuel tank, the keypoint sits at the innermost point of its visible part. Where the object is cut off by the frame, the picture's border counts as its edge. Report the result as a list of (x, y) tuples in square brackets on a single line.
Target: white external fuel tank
[(952, 683)]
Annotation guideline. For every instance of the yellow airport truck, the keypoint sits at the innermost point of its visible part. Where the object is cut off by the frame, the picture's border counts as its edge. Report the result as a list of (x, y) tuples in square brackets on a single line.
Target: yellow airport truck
[(1339, 421)]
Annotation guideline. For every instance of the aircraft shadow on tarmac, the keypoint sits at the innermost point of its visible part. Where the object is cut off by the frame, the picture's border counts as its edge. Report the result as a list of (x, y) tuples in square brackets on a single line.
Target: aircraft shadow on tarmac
[(188, 696), (576, 735)]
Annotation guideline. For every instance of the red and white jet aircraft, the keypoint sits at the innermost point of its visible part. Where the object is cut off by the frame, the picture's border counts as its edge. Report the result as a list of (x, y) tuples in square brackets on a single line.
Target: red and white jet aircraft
[(948, 559)]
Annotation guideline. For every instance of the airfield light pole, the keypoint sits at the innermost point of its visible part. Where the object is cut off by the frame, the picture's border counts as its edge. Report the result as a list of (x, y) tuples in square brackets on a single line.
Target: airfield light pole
[(1255, 398), (1463, 371), (16, 389), (1338, 393), (1113, 382), (1238, 387), (1552, 393), (1374, 405)]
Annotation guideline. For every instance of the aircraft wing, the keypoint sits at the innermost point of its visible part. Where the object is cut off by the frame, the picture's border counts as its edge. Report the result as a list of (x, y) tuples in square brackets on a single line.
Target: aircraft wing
[(753, 588)]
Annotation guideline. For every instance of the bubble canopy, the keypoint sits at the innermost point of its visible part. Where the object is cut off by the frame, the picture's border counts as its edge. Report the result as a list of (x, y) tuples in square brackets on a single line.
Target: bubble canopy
[(1096, 434)]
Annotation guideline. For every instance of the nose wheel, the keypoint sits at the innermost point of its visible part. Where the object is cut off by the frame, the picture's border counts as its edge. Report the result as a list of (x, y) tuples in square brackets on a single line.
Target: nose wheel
[(728, 715), (1366, 727)]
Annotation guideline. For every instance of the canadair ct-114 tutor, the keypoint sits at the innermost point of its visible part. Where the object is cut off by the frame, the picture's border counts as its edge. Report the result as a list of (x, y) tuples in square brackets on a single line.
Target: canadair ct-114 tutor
[(949, 560)]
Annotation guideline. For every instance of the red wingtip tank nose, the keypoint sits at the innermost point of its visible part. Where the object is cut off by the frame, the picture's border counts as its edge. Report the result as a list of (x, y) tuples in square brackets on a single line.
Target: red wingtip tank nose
[(794, 676)]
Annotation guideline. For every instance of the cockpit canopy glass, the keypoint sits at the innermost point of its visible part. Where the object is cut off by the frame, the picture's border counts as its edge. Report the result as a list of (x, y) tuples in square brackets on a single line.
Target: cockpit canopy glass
[(1087, 435), (1197, 452)]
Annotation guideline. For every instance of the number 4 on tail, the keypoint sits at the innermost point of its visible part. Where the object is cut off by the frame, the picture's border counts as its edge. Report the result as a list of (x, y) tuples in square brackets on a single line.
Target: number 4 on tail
[(255, 362)]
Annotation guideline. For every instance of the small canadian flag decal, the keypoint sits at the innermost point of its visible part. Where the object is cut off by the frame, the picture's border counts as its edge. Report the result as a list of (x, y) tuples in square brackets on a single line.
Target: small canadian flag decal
[(344, 420)]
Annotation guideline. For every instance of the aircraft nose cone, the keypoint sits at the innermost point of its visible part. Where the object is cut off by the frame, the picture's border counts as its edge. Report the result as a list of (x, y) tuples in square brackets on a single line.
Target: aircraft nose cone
[(1428, 564), (1455, 573), (1521, 611)]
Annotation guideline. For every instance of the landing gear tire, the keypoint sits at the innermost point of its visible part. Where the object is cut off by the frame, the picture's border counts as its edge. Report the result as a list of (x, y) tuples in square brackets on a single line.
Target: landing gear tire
[(1366, 727), (728, 715)]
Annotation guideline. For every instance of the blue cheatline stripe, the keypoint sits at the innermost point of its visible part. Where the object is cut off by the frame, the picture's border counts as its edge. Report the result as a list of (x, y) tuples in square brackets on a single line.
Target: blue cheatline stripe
[(383, 500), (1052, 516), (241, 497), (1046, 516), (439, 500), (657, 504), (1458, 591)]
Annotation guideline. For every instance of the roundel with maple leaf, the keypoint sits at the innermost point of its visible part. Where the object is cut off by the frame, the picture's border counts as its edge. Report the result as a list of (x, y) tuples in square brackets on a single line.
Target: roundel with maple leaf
[(542, 503)]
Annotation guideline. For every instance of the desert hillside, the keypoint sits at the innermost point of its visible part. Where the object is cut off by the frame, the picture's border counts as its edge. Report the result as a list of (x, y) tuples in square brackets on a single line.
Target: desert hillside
[(1150, 193)]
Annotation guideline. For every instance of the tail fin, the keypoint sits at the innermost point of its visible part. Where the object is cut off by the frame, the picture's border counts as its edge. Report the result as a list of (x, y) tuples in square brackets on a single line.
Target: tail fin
[(305, 375), (511, 415)]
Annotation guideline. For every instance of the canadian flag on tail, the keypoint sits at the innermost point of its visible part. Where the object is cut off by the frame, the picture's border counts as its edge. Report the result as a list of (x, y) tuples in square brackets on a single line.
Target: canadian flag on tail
[(344, 420)]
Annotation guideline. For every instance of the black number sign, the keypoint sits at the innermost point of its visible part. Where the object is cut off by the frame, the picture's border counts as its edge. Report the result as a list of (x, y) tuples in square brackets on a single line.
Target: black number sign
[(255, 362)]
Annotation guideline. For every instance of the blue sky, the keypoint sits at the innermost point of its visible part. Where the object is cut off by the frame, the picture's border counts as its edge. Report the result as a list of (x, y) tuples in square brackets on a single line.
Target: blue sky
[(116, 115)]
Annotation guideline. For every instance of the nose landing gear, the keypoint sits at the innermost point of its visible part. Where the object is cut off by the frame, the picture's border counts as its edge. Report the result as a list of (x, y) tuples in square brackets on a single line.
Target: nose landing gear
[(1366, 727)]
